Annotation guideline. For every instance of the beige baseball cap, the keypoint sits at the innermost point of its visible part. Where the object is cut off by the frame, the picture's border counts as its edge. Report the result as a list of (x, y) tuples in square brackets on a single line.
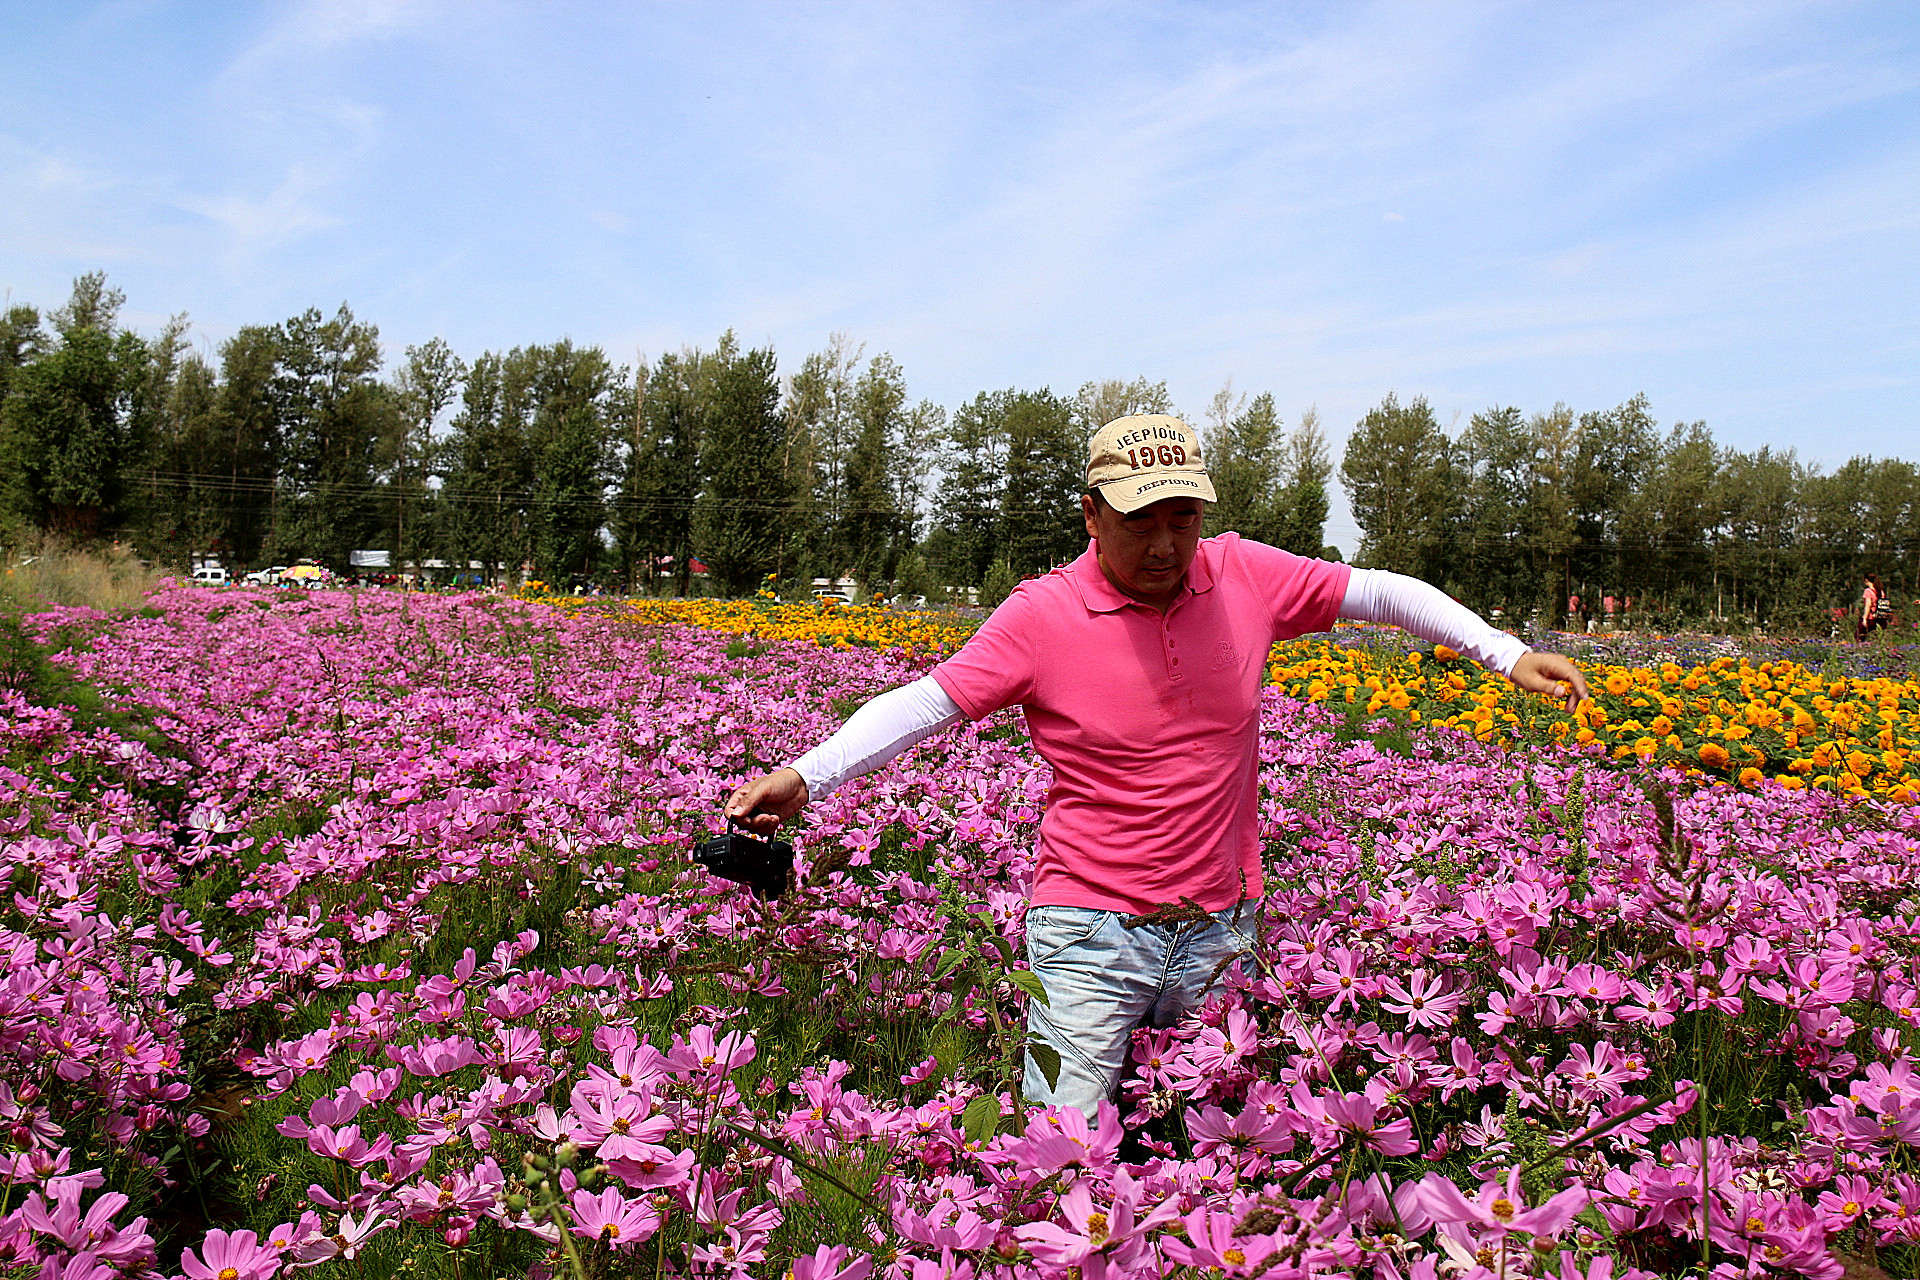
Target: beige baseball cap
[(1144, 457)]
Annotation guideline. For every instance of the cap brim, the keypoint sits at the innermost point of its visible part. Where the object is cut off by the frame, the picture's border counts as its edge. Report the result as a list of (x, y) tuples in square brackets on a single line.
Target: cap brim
[(1136, 492)]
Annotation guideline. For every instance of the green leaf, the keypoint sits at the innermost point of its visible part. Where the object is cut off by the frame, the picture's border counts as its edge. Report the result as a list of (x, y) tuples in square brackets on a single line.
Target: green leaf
[(948, 963), (981, 1118), (962, 985), (1047, 1058), (1006, 948), (1027, 982)]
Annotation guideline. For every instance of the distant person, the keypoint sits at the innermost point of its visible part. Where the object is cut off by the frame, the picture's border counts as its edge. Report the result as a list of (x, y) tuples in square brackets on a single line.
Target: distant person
[(1876, 609)]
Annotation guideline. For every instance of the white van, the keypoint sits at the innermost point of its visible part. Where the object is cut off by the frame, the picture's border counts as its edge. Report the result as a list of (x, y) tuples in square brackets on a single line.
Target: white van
[(212, 575)]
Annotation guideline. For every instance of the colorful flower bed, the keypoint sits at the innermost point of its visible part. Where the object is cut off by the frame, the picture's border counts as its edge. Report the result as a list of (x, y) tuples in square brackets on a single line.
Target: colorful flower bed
[(1736, 711), (823, 622), (1726, 717), (371, 945)]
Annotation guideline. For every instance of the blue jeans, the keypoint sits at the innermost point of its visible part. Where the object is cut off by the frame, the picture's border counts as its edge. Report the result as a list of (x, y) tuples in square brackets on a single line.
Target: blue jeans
[(1104, 979)]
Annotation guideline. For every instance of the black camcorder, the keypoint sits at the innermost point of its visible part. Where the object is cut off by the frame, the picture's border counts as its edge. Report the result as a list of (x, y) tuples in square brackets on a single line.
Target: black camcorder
[(763, 865)]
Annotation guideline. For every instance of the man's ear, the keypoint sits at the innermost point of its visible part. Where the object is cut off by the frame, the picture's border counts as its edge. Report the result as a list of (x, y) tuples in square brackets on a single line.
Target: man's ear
[(1090, 511)]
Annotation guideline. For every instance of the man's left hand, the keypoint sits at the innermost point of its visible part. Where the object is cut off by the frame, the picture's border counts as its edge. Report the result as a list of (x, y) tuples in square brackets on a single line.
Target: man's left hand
[(1551, 674)]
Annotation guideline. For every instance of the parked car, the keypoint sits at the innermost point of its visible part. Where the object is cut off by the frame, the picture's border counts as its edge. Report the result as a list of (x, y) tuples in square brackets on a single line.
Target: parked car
[(210, 575)]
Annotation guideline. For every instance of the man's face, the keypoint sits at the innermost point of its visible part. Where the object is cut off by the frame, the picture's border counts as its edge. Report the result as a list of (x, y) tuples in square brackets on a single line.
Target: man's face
[(1146, 552)]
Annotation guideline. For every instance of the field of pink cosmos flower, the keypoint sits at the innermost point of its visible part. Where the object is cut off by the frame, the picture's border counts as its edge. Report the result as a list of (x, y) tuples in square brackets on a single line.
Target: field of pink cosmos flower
[(357, 934)]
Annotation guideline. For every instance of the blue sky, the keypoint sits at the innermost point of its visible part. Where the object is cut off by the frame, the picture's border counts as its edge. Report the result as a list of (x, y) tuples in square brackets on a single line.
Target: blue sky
[(1716, 204)]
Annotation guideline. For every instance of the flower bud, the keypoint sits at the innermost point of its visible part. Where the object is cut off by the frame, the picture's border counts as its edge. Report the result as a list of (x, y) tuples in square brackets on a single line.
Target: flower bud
[(567, 1154), (516, 1204), (456, 1237)]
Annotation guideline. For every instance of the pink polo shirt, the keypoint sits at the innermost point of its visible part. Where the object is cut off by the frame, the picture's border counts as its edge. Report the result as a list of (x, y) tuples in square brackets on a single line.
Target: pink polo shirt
[(1150, 721)]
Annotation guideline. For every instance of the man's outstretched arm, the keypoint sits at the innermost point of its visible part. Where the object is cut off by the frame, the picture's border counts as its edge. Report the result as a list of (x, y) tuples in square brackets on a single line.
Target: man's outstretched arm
[(1376, 595), (873, 735)]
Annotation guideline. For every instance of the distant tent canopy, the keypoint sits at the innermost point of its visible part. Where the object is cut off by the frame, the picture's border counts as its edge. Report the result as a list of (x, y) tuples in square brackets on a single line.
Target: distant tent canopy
[(370, 559)]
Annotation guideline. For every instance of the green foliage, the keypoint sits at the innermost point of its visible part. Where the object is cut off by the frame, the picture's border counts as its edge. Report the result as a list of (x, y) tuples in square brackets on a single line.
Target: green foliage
[(332, 412), (1398, 475), (291, 445), (998, 585), (736, 524), (529, 458)]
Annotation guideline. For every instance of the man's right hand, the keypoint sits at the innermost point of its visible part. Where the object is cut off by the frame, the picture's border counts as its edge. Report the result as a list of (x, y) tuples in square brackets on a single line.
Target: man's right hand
[(764, 803)]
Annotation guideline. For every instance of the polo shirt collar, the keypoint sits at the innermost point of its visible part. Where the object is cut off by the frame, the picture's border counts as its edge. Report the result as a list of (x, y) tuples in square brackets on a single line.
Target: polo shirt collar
[(1101, 596)]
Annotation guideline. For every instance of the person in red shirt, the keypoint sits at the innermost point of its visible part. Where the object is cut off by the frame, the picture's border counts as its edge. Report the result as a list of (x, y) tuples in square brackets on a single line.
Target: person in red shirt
[(1872, 615), (1139, 669)]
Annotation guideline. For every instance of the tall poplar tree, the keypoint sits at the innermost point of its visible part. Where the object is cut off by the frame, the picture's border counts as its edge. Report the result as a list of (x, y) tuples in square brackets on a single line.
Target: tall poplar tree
[(736, 525), (333, 411), (487, 467), (1301, 525), (424, 387), (870, 524), (660, 484), (965, 538), (72, 427), (1245, 454), (1398, 475), (1045, 476)]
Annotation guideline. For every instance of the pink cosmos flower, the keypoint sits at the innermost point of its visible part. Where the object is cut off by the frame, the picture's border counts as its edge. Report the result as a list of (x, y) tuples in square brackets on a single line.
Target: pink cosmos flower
[(1061, 1137), (612, 1218), (347, 1240), (619, 1126), (1851, 1197), (1340, 982), (655, 1168), (1596, 1074), (1211, 1242), (92, 1230), (1114, 1233), (734, 1252), (230, 1255), (703, 1053), (831, 1262), (1360, 1114), (346, 1144), (1217, 1050), (1422, 999), (1594, 982), (1500, 1209)]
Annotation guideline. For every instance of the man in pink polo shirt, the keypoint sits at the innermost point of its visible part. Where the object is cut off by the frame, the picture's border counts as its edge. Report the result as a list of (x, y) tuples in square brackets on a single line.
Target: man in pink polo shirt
[(1139, 668)]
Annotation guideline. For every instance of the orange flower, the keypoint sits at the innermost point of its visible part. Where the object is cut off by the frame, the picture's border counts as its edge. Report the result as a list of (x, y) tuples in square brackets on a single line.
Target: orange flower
[(1751, 777), (1713, 755)]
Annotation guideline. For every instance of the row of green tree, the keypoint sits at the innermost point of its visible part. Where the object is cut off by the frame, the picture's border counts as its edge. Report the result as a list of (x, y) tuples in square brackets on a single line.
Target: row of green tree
[(1526, 512), (556, 462), (294, 442)]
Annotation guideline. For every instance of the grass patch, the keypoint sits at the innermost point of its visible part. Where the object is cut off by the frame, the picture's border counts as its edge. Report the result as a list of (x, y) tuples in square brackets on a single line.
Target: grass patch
[(113, 581)]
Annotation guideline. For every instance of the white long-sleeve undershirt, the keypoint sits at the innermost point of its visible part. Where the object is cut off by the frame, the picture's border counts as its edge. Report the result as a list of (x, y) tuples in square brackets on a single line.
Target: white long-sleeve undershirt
[(899, 718), (1376, 595), (876, 733)]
